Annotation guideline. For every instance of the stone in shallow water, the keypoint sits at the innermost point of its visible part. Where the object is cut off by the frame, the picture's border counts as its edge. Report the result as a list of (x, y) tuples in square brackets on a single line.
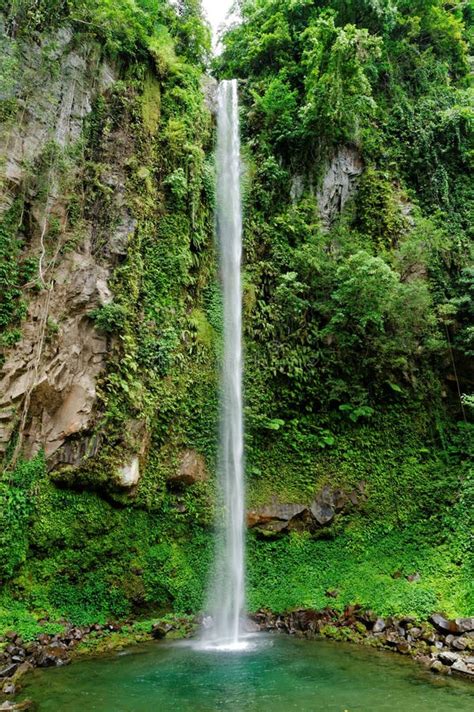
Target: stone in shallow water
[(437, 666), (9, 670), (448, 658)]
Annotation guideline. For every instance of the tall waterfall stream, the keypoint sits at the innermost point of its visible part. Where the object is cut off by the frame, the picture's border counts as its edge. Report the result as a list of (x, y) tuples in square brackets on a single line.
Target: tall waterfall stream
[(227, 599)]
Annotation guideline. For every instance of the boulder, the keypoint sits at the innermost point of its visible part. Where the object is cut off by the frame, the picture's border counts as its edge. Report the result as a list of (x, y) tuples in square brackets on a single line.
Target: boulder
[(443, 624), (275, 518), (392, 638), (323, 513), (9, 670), (460, 666), (465, 625), (161, 630), (460, 643), (447, 657), (379, 626), (9, 688), (54, 655), (192, 469), (437, 666), (279, 517), (403, 647)]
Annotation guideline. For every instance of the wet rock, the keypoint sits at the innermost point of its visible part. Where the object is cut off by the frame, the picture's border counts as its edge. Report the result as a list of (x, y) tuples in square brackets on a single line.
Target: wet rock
[(465, 625), (392, 638), (379, 626), (460, 643), (415, 632), (424, 660), (161, 630), (447, 657), (404, 647), (9, 670), (444, 625), (192, 469), (24, 668), (129, 474), (209, 89), (16, 706), (251, 626), (437, 666), (9, 688), (54, 655)]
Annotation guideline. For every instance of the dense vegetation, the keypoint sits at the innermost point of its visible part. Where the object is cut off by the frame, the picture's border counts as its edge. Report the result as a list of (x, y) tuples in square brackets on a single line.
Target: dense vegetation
[(358, 332)]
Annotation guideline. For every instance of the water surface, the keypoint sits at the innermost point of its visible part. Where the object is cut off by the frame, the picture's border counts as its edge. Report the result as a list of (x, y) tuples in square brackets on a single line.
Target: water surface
[(280, 675)]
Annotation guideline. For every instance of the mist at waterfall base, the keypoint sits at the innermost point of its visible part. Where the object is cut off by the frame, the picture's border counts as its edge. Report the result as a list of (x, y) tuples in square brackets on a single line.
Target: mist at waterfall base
[(226, 596)]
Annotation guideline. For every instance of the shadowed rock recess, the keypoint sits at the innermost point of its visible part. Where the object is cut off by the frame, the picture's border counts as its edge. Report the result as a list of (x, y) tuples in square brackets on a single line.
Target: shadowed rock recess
[(357, 290)]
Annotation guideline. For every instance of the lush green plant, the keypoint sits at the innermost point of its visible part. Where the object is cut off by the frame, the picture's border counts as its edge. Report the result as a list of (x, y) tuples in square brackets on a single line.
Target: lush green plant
[(348, 374)]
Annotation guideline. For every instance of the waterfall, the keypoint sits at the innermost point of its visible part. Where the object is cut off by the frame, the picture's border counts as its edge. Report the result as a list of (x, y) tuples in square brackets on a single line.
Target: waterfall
[(228, 590)]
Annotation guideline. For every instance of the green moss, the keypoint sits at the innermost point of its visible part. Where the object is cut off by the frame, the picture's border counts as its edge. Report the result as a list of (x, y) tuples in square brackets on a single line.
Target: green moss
[(151, 101)]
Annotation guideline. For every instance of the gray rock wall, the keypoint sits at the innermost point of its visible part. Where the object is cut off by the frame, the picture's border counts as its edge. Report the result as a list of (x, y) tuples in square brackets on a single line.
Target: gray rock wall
[(48, 383)]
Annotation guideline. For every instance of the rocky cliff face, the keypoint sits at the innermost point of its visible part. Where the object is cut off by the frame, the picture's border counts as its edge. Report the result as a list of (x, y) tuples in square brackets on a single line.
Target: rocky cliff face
[(48, 381)]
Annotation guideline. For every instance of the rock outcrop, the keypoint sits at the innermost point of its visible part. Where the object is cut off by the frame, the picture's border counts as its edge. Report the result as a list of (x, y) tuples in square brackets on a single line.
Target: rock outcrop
[(277, 518), (59, 81), (48, 381), (57, 369), (339, 184), (192, 469), (399, 635)]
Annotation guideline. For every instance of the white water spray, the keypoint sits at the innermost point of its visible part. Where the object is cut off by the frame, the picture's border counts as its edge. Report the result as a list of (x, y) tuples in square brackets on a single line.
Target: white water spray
[(227, 598)]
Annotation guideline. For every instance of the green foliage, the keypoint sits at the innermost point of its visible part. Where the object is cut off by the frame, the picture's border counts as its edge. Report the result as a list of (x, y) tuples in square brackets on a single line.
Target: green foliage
[(110, 318), (338, 92), (348, 369), (379, 210), (12, 273), (348, 374), (17, 506), (132, 28)]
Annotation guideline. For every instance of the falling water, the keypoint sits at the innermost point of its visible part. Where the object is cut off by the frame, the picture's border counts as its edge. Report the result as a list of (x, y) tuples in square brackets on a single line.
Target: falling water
[(228, 594)]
